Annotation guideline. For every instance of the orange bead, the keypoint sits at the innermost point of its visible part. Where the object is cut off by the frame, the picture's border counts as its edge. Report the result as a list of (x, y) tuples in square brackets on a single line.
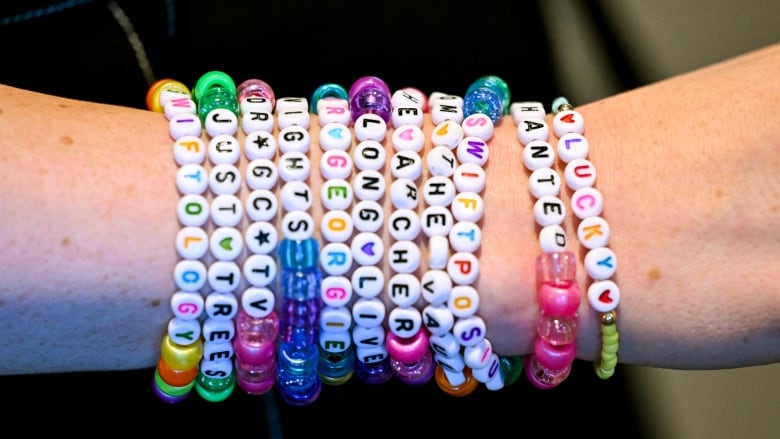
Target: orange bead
[(464, 389), (176, 378)]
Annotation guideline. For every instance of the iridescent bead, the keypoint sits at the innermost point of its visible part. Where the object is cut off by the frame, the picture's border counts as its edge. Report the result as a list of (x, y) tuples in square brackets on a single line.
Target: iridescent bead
[(555, 300), (488, 95), (374, 373), (554, 357), (370, 94), (463, 389), (298, 255), (336, 368), (297, 397), (296, 373), (255, 88), (416, 373), (542, 377), (324, 91)]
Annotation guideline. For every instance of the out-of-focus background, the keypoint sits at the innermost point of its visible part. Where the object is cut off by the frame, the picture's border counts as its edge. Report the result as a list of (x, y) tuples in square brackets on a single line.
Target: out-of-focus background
[(654, 40)]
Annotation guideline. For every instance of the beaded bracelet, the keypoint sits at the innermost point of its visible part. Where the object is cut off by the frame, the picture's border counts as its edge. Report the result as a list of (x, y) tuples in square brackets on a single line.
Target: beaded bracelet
[(593, 231)]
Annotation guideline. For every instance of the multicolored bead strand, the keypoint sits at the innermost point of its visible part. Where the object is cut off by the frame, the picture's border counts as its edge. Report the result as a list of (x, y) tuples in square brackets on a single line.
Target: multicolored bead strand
[(593, 231)]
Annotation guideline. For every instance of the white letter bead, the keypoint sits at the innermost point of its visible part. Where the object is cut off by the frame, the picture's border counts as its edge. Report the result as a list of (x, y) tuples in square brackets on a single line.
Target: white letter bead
[(437, 319), (260, 144), (473, 150), (261, 237), (224, 148), (294, 138), (441, 161), (297, 225), (403, 289), (568, 121), (603, 295), (260, 270), (404, 256), (193, 210), (441, 98), (579, 173), (334, 319), (335, 258), (261, 174), (407, 115), (600, 263), (406, 164), (219, 329), (335, 342), (335, 135), (593, 232), (369, 154), (552, 238), (290, 118), (438, 191), (527, 110), (216, 359), (447, 345), (221, 121), (189, 149), (490, 375), (438, 252), (367, 248), (257, 120), (403, 194), (478, 125), (404, 322), (368, 312), (463, 268), (184, 124), (192, 242), (336, 194), (369, 185), (368, 281), (408, 138), (408, 97), (404, 225), (183, 332), (436, 286), (371, 354), (258, 302), (529, 130), (181, 105), (335, 163), (256, 103), (294, 166), (335, 291), (365, 336), (469, 177), (261, 205), (436, 220), (291, 103), (336, 226), (187, 305), (221, 306), (538, 154), (469, 331), (190, 275), (478, 356), (295, 195), (224, 179), (224, 276), (332, 109), (463, 301), (443, 112), (465, 236), (549, 210), (226, 210), (448, 134), (368, 216), (587, 201), (468, 206), (192, 178), (370, 126), (226, 243), (572, 146), (544, 181)]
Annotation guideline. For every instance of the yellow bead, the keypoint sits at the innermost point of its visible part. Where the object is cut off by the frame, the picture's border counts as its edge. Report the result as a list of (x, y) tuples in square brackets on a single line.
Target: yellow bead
[(180, 357)]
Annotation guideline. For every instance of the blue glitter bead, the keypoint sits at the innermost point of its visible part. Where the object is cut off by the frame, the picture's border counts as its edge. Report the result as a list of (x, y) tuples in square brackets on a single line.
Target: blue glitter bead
[(298, 255)]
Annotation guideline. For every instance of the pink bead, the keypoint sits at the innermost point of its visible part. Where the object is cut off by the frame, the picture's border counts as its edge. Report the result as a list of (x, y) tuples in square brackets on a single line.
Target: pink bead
[(556, 267), (554, 357), (558, 300), (415, 373), (542, 377), (557, 330), (407, 350), (255, 87), (255, 340)]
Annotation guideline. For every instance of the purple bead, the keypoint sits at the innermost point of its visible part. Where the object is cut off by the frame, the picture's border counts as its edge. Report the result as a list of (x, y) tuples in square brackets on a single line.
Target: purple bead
[(374, 373), (370, 94), (368, 82)]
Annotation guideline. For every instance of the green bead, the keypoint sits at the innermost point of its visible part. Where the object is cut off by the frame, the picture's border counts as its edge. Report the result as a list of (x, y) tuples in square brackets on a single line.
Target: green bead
[(169, 389), (212, 79), (511, 368)]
